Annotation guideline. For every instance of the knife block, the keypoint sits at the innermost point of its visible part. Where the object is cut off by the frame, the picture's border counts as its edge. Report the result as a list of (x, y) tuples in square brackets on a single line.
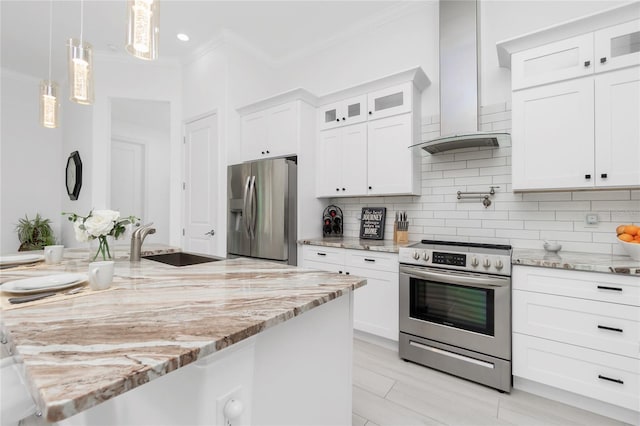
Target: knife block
[(402, 236)]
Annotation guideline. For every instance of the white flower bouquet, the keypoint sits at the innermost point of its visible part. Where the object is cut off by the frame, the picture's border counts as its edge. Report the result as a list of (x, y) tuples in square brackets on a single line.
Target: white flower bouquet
[(98, 225)]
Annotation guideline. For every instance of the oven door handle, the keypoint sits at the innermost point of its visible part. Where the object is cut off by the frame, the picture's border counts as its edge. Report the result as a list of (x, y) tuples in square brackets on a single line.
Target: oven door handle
[(457, 278)]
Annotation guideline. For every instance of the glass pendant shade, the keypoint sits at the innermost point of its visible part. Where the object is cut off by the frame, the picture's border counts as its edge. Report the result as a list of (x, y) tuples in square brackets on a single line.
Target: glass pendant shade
[(49, 105), (80, 72), (143, 28)]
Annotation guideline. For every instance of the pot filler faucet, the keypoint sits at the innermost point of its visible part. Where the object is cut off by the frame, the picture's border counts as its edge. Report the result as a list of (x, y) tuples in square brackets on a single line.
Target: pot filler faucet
[(137, 237)]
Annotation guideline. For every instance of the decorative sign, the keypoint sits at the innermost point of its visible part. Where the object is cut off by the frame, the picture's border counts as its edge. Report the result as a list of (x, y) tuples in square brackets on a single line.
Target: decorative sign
[(372, 223)]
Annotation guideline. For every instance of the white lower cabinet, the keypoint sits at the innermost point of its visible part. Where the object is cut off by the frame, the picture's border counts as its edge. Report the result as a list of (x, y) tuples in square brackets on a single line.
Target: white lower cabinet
[(579, 332), (375, 306)]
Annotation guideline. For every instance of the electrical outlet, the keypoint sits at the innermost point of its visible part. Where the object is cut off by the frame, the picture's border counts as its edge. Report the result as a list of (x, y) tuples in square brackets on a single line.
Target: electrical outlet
[(221, 402), (592, 219)]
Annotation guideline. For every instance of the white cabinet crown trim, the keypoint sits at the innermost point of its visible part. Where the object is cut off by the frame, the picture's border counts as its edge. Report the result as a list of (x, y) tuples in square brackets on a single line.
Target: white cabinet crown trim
[(279, 99), (567, 29), (416, 74)]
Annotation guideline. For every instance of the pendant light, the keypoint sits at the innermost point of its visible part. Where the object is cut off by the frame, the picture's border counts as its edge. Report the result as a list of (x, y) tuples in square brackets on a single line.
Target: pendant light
[(49, 106), (80, 60), (143, 28)]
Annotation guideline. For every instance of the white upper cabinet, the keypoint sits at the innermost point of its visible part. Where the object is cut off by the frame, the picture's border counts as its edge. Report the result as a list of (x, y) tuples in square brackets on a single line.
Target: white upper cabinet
[(552, 62), (274, 127), (271, 132), (617, 46), (364, 137), (343, 113), (553, 136), (617, 128), (390, 101), (576, 103)]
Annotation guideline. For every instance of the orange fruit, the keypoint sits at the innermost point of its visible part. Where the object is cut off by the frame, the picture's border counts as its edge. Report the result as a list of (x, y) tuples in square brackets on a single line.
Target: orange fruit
[(631, 229), (620, 229), (637, 237), (625, 237)]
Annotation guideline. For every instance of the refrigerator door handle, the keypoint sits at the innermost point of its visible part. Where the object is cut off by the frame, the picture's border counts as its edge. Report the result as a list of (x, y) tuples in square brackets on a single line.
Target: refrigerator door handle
[(253, 207), (245, 207)]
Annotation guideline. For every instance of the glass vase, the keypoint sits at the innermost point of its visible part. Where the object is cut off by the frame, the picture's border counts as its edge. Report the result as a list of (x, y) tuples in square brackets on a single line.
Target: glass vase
[(100, 249)]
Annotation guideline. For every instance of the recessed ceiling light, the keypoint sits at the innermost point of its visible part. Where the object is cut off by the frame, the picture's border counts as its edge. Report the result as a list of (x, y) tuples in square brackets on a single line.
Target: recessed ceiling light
[(182, 37)]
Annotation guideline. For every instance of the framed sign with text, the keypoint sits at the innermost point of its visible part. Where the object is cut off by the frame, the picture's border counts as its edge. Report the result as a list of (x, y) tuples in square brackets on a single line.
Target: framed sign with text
[(372, 223)]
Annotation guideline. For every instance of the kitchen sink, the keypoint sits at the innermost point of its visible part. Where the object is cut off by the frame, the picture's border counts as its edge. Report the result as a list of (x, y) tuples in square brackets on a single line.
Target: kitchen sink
[(181, 258)]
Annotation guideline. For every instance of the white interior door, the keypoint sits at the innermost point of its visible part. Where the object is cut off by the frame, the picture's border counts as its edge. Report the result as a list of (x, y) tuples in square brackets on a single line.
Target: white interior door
[(201, 186), (128, 178)]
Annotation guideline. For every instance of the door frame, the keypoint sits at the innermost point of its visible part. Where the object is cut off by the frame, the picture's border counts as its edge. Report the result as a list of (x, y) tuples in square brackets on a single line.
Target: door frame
[(221, 220)]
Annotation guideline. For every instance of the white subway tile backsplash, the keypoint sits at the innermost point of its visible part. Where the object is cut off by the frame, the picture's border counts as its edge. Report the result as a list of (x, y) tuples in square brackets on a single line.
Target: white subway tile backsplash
[(520, 219), (565, 205), (601, 195), (548, 225), (485, 127), (546, 196)]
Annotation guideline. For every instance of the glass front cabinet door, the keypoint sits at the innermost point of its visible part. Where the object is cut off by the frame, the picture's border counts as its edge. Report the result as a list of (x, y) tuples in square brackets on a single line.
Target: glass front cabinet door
[(342, 113)]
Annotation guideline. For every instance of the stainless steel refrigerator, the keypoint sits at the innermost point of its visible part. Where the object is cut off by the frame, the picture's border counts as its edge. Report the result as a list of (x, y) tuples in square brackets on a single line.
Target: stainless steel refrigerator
[(261, 219)]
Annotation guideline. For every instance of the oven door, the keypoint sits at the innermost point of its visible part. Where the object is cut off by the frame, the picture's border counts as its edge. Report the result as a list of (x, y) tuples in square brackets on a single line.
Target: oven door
[(463, 309)]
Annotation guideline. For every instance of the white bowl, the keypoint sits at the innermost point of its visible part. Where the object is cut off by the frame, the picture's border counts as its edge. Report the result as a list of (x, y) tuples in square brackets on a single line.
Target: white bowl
[(552, 247), (632, 249)]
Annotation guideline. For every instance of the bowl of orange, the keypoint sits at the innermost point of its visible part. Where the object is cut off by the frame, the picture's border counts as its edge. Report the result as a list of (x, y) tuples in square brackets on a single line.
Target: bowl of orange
[(629, 238)]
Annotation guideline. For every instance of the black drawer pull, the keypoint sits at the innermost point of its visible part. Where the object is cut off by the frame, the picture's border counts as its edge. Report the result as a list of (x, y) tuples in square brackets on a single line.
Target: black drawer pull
[(600, 376), (603, 60), (587, 176), (604, 327), (321, 254), (603, 175), (347, 273), (369, 260), (603, 287), (587, 63), (339, 272)]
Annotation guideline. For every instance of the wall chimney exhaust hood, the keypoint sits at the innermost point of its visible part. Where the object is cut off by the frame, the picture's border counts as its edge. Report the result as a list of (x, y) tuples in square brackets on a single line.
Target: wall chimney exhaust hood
[(459, 80)]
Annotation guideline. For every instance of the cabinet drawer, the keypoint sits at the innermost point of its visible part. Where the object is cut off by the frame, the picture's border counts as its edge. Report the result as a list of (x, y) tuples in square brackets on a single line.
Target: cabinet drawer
[(607, 327), (561, 60), (585, 285), (610, 378), (378, 261), (323, 254)]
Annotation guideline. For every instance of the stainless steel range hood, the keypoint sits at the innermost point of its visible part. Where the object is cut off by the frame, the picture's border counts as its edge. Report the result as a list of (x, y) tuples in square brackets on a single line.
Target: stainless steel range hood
[(459, 80)]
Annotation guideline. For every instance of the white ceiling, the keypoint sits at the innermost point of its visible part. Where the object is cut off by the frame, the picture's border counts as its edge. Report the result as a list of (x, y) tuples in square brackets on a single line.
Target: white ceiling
[(278, 29)]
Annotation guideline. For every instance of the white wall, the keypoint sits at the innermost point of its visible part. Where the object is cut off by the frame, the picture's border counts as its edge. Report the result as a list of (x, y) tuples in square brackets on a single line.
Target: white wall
[(31, 158)]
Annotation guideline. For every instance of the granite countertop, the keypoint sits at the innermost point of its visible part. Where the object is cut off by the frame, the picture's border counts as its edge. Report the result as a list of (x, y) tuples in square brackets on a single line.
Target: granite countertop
[(155, 318), (388, 246), (612, 264)]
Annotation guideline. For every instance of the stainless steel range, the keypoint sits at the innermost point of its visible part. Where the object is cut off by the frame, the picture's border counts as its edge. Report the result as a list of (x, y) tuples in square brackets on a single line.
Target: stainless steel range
[(455, 309)]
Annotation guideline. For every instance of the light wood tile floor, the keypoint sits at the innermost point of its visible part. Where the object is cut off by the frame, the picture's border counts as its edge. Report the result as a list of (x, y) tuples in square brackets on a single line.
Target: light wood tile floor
[(390, 391)]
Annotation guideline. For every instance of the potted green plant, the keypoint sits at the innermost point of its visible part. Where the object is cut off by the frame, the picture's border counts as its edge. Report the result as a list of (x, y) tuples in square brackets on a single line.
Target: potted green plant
[(34, 234)]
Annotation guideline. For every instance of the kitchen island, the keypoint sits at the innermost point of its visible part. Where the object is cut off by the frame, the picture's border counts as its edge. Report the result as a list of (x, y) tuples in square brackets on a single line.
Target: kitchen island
[(278, 338)]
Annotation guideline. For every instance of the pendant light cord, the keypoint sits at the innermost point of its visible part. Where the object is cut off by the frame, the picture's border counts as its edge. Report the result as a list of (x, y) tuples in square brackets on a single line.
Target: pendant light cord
[(50, 33), (81, 20)]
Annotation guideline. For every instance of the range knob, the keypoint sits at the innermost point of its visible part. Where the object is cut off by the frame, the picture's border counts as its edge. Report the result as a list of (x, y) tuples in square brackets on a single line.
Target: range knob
[(474, 262), (416, 255), (425, 256), (486, 263), (499, 264)]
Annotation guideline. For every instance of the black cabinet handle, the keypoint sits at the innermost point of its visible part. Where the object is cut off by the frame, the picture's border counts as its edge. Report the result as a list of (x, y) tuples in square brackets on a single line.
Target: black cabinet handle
[(604, 327), (347, 273), (370, 113), (600, 376), (338, 189), (321, 254), (262, 152), (603, 60), (587, 63), (343, 119), (339, 272), (267, 151), (603, 287), (366, 259), (603, 175), (370, 188), (337, 119), (343, 189), (587, 176)]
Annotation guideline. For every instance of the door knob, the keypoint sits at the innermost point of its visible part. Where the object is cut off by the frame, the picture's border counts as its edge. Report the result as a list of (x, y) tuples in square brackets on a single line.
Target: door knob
[(212, 233)]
